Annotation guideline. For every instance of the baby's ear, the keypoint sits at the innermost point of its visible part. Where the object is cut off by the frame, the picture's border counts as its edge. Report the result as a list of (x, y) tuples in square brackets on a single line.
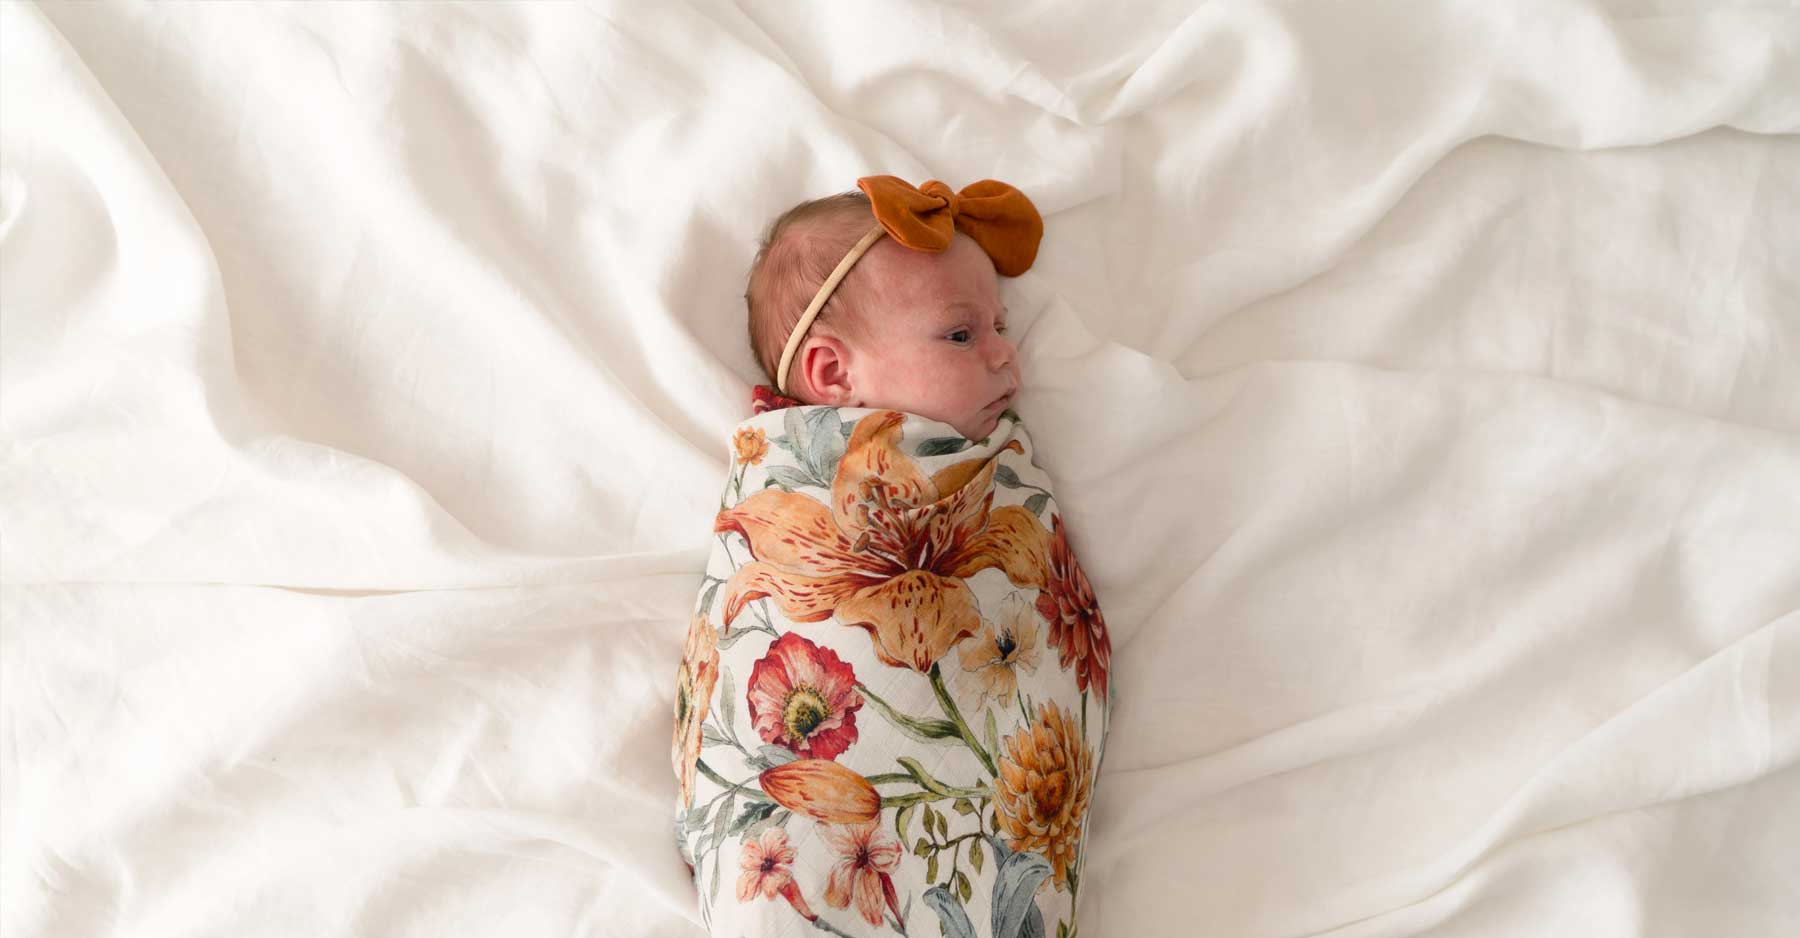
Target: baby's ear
[(824, 372)]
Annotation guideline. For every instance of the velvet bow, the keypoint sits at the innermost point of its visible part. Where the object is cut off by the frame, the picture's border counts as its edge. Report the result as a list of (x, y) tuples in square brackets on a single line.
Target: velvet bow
[(995, 215)]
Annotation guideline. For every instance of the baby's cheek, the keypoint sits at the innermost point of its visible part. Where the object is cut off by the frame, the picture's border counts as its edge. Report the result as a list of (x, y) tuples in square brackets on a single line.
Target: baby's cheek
[(914, 394)]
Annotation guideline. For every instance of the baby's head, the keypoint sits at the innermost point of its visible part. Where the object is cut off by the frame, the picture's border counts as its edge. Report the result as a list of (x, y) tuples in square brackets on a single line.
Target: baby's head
[(910, 330)]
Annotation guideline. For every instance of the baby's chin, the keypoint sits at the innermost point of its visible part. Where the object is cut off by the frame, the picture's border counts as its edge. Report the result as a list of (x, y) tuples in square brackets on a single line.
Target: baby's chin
[(979, 426)]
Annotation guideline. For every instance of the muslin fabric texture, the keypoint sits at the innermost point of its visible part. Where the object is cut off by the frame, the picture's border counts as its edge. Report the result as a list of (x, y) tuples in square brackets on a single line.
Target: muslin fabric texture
[(893, 697)]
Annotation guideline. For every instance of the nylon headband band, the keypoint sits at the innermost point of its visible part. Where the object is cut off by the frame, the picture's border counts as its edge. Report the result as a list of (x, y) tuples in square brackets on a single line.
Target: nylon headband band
[(818, 303)]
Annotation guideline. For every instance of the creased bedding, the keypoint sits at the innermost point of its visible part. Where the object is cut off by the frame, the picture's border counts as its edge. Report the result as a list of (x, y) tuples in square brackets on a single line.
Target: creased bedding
[(1418, 380)]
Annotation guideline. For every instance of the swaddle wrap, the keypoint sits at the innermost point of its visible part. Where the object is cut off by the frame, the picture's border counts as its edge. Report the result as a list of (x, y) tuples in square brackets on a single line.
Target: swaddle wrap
[(894, 691)]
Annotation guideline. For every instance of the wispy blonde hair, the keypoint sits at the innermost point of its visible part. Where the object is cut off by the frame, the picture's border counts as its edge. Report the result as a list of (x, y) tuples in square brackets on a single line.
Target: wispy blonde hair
[(797, 254)]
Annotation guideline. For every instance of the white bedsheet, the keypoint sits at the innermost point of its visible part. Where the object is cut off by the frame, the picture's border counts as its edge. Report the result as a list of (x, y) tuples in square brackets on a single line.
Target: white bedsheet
[(368, 371)]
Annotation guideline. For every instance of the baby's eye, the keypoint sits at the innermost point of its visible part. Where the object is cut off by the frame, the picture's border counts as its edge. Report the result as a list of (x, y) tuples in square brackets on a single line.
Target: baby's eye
[(959, 336)]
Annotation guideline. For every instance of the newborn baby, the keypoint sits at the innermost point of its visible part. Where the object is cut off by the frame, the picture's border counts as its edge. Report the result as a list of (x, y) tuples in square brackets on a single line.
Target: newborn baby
[(883, 719)]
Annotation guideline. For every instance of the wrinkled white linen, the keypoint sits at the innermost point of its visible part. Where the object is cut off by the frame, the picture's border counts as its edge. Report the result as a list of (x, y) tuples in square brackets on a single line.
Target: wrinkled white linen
[(1419, 380)]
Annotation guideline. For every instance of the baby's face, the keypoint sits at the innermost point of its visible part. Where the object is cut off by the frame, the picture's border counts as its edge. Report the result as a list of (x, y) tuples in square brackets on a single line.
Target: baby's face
[(937, 345)]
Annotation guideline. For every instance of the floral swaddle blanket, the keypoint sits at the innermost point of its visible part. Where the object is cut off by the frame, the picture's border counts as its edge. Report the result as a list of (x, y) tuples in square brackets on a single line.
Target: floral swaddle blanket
[(893, 696)]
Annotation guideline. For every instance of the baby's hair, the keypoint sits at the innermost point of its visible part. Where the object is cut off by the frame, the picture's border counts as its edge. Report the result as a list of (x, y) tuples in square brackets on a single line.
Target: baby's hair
[(797, 254)]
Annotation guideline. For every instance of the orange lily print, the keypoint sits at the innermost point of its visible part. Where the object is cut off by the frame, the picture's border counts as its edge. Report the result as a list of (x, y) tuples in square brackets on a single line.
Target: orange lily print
[(890, 551)]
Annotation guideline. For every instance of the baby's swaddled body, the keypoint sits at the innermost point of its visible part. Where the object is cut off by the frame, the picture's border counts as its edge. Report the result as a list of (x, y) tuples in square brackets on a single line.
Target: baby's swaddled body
[(894, 693)]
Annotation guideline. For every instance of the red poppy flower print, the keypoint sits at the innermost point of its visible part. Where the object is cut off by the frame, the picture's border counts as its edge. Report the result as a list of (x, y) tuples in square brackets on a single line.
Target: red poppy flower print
[(804, 697)]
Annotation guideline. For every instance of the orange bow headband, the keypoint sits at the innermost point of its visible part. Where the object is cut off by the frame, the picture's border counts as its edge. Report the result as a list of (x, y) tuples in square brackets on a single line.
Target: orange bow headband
[(995, 215)]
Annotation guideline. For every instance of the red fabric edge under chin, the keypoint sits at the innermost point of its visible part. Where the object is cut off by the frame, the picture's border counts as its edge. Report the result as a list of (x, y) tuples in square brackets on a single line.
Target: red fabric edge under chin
[(764, 399)]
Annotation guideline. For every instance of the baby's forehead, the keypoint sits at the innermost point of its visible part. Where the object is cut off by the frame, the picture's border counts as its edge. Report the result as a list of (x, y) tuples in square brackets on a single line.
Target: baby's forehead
[(962, 274)]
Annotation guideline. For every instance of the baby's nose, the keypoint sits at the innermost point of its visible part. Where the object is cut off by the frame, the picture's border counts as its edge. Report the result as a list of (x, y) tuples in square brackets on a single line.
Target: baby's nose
[(1000, 354)]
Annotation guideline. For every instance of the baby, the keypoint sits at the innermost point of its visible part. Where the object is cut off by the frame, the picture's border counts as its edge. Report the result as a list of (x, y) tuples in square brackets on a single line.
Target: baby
[(915, 330), (883, 705)]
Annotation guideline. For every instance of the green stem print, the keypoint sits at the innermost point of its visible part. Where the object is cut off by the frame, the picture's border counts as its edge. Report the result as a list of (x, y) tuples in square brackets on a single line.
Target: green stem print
[(920, 797), (734, 484), (962, 728), (934, 790), (938, 839), (747, 788), (830, 929), (930, 730)]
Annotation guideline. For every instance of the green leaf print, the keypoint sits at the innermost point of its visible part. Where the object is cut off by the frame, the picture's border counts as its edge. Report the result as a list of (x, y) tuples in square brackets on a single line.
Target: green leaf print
[(752, 814), (924, 731), (727, 698), (827, 444), (721, 822), (696, 818), (776, 755), (1017, 881), (926, 781), (790, 478), (737, 632), (952, 920), (706, 599), (797, 437), (901, 817), (942, 446)]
